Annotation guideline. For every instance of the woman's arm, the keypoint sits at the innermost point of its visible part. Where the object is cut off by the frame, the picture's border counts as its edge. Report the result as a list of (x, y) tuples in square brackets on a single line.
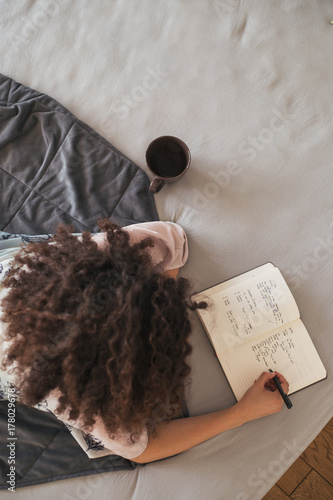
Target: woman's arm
[(179, 435)]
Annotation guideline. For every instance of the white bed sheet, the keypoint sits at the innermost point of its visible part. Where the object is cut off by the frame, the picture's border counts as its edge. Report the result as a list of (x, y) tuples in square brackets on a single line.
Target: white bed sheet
[(247, 85)]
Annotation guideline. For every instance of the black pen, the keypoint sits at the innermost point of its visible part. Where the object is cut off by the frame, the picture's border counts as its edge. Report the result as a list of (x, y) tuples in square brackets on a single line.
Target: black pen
[(281, 391)]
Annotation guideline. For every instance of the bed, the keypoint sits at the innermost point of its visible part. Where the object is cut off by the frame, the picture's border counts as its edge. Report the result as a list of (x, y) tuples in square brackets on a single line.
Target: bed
[(247, 87)]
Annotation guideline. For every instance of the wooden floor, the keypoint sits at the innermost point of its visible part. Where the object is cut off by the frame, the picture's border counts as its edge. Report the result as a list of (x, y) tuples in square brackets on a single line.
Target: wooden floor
[(311, 476)]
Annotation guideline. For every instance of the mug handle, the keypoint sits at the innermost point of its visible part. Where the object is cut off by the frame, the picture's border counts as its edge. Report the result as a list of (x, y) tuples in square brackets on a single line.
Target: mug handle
[(156, 185)]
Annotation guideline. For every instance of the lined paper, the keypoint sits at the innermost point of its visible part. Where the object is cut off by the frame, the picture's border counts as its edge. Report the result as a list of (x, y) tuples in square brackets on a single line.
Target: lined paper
[(247, 309), (288, 350), (254, 325)]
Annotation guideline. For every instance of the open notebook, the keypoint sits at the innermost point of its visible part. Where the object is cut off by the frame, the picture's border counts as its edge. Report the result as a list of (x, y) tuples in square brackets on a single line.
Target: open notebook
[(254, 325)]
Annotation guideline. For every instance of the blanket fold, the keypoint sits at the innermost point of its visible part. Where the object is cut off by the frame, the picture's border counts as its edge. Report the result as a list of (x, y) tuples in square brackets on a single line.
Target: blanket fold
[(56, 169)]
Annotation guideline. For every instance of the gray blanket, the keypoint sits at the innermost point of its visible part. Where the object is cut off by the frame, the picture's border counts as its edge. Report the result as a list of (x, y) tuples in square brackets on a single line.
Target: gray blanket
[(56, 169)]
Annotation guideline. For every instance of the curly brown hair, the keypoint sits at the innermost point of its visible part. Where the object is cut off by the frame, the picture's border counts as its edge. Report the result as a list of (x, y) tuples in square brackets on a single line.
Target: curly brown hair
[(103, 325)]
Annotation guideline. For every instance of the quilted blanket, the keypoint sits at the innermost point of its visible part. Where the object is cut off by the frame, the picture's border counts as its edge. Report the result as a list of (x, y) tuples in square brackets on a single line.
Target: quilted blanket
[(55, 169)]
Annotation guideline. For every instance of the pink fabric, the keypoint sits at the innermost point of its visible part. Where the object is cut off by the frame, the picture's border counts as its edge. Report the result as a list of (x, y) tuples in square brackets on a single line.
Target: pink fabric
[(170, 243)]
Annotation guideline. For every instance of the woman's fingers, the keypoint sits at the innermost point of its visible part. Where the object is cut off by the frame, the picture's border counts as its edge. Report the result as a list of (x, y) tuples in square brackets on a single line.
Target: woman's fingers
[(271, 385), (284, 383)]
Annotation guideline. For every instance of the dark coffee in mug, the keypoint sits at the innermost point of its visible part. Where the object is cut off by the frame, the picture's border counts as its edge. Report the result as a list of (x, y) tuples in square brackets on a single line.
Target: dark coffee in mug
[(168, 158)]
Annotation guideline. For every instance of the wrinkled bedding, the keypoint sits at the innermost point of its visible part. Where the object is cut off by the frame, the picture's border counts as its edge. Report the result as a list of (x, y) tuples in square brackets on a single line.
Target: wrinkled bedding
[(45, 451), (247, 86)]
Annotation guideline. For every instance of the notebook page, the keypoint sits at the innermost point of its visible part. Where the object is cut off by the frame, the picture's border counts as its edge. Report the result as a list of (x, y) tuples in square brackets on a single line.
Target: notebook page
[(247, 309), (288, 350), (233, 281)]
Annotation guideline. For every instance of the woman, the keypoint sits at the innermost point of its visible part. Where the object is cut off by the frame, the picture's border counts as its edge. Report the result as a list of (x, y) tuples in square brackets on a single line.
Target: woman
[(96, 329)]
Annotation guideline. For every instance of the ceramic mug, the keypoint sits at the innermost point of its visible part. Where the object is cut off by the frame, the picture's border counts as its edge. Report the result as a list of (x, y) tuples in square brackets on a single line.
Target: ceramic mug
[(168, 158)]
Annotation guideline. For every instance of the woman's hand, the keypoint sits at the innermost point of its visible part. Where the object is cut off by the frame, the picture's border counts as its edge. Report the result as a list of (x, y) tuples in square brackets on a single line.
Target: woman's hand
[(263, 398)]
